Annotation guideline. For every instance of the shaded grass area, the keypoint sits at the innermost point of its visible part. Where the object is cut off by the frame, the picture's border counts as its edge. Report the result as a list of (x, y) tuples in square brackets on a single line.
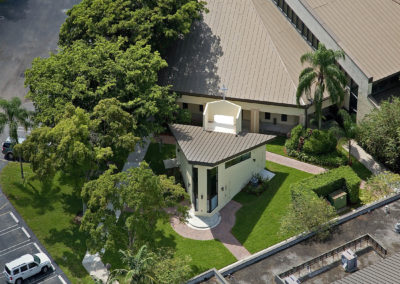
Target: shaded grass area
[(155, 155), (49, 210), (258, 221), (277, 146)]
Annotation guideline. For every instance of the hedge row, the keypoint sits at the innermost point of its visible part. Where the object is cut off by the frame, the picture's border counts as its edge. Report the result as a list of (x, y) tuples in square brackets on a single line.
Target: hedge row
[(328, 182)]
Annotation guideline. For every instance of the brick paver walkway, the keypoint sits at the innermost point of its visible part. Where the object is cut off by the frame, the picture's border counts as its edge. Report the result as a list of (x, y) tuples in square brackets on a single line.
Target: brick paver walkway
[(305, 167), (221, 232)]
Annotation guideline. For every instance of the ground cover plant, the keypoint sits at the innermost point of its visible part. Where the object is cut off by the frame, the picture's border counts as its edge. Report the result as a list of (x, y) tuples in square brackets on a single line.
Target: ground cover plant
[(258, 222)]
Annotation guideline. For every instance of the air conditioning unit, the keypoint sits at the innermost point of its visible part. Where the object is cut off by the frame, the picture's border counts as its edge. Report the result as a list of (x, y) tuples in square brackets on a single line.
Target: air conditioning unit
[(349, 260)]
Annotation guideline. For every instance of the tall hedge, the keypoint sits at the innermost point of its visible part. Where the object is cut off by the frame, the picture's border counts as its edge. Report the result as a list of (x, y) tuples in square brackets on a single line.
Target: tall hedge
[(328, 182)]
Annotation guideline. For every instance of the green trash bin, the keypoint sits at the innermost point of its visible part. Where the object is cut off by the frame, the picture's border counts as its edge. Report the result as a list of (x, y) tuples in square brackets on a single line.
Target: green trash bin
[(338, 199)]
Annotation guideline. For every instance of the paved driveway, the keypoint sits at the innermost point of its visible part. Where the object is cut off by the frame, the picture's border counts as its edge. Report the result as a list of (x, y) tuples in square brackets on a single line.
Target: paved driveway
[(28, 29)]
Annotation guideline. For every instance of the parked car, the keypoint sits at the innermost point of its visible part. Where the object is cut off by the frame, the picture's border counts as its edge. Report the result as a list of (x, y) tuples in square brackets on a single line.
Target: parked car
[(8, 147), (26, 266)]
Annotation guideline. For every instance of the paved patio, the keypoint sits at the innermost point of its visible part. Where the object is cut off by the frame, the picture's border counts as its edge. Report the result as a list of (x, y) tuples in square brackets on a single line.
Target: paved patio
[(221, 232)]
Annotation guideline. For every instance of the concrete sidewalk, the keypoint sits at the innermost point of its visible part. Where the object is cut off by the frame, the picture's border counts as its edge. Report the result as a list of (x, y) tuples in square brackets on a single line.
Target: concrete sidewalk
[(305, 167), (364, 158)]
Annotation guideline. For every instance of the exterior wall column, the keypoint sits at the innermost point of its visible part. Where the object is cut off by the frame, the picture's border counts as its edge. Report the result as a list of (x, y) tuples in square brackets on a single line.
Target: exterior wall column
[(255, 121), (302, 119)]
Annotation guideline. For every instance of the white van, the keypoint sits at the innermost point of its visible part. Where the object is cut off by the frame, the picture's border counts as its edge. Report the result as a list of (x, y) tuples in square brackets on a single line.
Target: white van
[(26, 266)]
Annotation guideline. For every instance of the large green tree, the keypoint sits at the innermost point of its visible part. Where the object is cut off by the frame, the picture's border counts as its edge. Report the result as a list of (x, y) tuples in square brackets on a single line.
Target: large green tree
[(322, 76), (140, 195), (14, 115), (159, 22), (380, 134), (85, 74)]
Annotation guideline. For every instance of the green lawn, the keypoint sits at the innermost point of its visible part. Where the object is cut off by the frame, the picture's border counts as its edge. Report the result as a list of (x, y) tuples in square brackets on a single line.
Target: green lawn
[(276, 146), (155, 155), (258, 221), (49, 211)]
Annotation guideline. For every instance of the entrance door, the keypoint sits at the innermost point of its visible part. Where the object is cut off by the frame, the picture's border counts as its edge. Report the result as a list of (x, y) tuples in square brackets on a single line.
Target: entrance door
[(195, 187)]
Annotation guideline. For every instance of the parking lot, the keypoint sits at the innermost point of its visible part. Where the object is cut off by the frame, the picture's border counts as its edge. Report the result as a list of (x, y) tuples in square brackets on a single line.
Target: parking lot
[(17, 240)]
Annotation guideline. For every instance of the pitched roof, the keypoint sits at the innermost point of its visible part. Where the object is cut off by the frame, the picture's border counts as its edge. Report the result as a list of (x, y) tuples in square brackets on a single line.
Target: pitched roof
[(387, 271), (211, 148), (367, 30), (247, 45)]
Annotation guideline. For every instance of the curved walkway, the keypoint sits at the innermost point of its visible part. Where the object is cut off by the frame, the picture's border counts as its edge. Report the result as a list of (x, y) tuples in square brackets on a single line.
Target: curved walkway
[(305, 167), (221, 232)]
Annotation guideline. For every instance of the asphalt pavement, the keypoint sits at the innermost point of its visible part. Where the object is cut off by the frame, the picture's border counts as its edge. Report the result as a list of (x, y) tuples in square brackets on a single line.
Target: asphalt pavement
[(28, 29)]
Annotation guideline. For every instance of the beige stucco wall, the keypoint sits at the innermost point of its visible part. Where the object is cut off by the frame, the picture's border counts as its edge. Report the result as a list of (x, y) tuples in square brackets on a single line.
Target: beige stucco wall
[(291, 119), (230, 181), (186, 170)]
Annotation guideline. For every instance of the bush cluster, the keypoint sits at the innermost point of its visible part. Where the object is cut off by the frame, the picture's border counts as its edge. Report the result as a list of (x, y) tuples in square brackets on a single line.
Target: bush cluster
[(314, 146), (324, 184), (259, 189)]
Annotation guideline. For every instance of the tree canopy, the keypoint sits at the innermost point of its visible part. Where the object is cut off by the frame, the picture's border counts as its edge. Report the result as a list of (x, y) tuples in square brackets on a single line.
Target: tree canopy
[(158, 22), (322, 77), (140, 195), (83, 75), (379, 134)]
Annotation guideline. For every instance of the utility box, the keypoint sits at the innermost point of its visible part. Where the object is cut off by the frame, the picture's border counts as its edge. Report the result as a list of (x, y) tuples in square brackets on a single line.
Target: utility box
[(349, 260), (338, 199)]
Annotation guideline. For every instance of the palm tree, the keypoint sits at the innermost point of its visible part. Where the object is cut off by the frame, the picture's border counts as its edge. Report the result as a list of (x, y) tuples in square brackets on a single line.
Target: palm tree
[(139, 267), (322, 75), (350, 129), (13, 116)]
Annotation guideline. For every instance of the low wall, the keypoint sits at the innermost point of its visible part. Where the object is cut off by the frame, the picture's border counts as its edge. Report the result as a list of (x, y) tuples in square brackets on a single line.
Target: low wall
[(230, 269), (207, 275)]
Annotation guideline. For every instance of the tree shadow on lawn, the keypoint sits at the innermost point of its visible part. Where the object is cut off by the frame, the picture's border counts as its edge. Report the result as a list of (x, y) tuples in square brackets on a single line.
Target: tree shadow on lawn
[(38, 197), (72, 257), (253, 207)]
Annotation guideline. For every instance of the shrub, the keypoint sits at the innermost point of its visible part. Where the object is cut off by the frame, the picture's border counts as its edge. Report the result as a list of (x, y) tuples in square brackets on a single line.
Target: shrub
[(259, 189), (320, 142), (379, 186), (379, 134), (324, 184), (333, 159)]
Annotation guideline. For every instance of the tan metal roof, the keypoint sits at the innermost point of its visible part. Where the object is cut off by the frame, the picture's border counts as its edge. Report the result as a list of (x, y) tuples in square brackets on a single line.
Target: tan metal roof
[(367, 30), (211, 148), (247, 45)]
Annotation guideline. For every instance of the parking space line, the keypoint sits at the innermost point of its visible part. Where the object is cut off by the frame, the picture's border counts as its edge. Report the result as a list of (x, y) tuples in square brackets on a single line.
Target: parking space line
[(13, 247), (62, 279), (37, 247), (16, 248), (8, 228), (9, 232), (5, 213), (4, 205), (15, 218), (26, 232)]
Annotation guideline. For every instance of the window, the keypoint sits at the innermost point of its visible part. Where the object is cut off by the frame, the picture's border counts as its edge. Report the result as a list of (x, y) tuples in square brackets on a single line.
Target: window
[(184, 105), (32, 265), (283, 117), (267, 115), (201, 108), (16, 271), (238, 160), (7, 270), (24, 268)]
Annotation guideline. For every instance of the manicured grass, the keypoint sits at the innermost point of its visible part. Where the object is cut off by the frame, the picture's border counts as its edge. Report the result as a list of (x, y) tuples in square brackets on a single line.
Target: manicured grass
[(358, 168), (156, 154), (258, 221), (204, 254), (49, 210), (277, 146)]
